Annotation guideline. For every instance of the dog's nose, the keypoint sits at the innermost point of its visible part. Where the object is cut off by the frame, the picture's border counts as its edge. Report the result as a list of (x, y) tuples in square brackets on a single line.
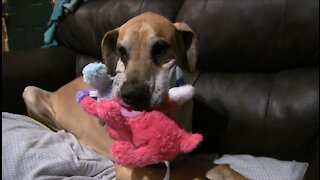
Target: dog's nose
[(136, 95)]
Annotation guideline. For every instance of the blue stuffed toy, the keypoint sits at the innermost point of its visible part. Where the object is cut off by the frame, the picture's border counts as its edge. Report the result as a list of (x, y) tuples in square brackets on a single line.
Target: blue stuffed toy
[(95, 74)]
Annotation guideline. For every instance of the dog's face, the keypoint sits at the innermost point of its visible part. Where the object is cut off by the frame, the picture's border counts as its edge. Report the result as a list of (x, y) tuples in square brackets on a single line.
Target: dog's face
[(143, 53)]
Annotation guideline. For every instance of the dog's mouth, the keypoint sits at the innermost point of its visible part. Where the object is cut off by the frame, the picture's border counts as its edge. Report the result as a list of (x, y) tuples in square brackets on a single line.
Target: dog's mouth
[(146, 95), (138, 105), (136, 95), (141, 104), (127, 110)]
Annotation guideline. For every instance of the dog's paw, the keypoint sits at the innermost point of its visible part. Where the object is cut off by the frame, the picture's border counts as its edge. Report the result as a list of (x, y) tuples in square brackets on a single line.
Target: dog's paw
[(181, 94)]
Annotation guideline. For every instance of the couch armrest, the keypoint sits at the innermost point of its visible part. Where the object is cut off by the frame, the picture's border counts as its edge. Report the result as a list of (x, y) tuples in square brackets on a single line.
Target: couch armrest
[(47, 68)]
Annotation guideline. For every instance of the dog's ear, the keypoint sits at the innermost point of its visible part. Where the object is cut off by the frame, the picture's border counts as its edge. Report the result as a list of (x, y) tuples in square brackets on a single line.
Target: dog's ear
[(190, 42), (108, 49)]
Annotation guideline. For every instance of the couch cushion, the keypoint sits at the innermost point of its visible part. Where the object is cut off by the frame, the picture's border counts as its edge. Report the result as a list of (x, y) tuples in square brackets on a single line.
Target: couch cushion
[(260, 114), (255, 36), (237, 36), (83, 30)]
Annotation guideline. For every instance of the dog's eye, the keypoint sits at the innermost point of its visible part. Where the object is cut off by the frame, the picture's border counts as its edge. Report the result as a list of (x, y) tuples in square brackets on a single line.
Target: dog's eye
[(123, 54), (158, 50)]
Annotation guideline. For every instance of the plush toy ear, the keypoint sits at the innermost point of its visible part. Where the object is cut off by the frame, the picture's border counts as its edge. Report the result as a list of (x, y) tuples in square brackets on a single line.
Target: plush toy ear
[(108, 48), (177, 96), (190, 42), (181, 94)]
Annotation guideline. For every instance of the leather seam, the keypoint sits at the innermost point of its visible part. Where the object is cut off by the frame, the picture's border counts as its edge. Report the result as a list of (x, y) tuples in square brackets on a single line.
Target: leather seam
[(140, 8), (195, 79), (268, 100), (202, 21)]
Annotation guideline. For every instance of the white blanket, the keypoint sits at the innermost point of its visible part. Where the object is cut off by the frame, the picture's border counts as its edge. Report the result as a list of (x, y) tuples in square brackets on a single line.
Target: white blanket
[(264, 168), (30, 151)]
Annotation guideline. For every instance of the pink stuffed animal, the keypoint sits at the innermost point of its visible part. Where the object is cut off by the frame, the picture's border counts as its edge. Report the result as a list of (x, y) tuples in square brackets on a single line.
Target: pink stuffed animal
[(141, 137)]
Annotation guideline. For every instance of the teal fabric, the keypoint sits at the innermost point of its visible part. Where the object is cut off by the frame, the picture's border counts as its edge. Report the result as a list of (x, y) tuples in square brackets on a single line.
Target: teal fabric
[(61, 8), (53, 22)]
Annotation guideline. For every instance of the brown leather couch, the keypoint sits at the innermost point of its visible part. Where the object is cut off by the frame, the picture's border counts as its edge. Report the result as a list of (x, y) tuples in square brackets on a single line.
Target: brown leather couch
[(257, 79)]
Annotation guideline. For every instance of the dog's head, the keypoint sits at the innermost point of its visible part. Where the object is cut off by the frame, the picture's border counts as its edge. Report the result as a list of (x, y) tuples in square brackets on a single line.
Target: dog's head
[(143, 53)]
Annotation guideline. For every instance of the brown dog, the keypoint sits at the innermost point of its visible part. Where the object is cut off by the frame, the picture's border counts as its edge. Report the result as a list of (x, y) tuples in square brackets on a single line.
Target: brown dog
[(143, 45), (137, 51)]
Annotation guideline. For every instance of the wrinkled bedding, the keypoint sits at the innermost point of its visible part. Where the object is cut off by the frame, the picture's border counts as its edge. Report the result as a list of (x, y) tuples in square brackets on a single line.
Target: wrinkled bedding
[(31, 151), (264, 168)]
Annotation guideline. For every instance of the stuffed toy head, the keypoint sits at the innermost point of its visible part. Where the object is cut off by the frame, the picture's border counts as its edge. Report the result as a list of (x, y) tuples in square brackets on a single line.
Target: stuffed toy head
[(95, 74)]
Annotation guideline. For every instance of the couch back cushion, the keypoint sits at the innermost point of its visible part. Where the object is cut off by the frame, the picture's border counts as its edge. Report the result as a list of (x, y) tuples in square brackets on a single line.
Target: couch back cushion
[(238, 36)]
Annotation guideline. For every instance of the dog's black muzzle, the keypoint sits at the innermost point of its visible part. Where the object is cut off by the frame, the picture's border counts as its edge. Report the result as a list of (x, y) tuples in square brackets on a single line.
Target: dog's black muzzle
[(136, 94)]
